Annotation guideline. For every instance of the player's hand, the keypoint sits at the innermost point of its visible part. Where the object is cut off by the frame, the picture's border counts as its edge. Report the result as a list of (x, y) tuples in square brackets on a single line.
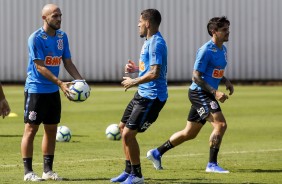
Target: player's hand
[(129, 82), (4, 108), (221, 96), (65, 87), (130, 67), (229, 87)]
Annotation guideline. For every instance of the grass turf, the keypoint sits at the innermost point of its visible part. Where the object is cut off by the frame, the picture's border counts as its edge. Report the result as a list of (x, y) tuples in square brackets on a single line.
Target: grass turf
[(251, 148)]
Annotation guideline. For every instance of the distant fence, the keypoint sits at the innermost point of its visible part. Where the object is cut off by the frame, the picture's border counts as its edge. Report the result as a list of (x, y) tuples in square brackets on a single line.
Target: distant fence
[(103, 35)]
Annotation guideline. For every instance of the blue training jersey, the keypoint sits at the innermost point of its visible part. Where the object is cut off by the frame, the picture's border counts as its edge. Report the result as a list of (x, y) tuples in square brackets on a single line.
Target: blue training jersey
[(154, 52), (50, 50), (211, 62)]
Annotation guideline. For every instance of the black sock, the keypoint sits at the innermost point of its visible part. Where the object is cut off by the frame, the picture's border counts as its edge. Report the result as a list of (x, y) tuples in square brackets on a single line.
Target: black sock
[(213, 155), (127, 166), (48, 162), (136, 170), (165, 147), (27, 165)]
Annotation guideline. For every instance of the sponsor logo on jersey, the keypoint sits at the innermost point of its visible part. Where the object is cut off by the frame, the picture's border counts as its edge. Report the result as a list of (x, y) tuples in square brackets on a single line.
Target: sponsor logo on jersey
[(60, 35), (218, 73), (141, 66), (214, 49), (44, 36), (60, 44), (52, 61)]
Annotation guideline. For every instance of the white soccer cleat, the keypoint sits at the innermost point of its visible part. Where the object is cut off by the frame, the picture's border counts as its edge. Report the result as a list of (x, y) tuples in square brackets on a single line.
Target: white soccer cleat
[(32, 177), (214, 168), (155, 157), (50, 175)]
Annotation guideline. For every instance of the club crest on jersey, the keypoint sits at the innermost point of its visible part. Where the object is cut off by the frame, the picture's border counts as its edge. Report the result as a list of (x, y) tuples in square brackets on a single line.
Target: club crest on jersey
[(213, 105), (60, 44), (32, 115)]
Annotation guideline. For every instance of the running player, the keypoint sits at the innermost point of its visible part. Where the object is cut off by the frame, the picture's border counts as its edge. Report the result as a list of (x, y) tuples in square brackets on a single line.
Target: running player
[(204, 95)]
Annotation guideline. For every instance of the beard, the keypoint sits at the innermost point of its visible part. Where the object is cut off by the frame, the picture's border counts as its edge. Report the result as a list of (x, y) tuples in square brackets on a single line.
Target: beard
[(53, 26)]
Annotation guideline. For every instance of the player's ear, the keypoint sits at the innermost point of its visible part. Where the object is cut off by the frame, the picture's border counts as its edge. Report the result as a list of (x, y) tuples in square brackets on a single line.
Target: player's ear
[(147, 24), (43, 17)]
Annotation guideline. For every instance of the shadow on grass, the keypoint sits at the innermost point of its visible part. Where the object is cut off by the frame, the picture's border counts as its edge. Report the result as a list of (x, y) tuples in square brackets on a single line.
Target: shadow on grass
[(86, 179), (261, 170), (189, 181), (11, 135)]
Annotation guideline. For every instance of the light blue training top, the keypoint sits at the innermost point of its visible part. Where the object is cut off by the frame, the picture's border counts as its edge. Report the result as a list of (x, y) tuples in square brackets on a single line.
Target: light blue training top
[(211, 62), (154, 52), (51, 50)]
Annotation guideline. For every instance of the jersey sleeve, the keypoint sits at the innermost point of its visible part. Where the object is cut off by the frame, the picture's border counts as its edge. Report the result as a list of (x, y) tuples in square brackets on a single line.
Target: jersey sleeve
[(66, 53), (156, 52), (202, 59), (35, 48)]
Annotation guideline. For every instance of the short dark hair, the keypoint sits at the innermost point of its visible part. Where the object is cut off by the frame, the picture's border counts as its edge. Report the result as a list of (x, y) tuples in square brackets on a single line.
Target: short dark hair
[(152, 15), (217, 22)]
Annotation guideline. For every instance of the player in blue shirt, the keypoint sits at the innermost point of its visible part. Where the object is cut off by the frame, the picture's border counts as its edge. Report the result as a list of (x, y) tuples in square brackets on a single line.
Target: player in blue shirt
[(204, 95), (47, 47), (150, 98)]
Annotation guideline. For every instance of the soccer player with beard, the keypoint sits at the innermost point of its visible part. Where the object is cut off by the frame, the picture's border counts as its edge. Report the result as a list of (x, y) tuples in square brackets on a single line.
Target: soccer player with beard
[(211, 60), (150, 98), (47, 46)]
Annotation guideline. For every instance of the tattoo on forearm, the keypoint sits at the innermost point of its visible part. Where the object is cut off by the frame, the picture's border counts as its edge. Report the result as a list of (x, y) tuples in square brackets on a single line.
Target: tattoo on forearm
[(198, 80), (215, 141), (155, 70)]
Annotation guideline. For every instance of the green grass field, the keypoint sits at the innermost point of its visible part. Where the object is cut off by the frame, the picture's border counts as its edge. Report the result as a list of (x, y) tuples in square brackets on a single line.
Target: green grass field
[(251, 148)]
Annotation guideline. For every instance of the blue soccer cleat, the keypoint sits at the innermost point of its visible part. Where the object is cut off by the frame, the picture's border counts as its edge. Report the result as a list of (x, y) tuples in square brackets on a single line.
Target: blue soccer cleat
[(155, 156), (214, 168), (122, 177), (133, 179)]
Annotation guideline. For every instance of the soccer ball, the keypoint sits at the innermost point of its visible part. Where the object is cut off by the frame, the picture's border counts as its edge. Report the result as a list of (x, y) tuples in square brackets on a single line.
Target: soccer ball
[(113, 132), (80, 90), (63, 134)]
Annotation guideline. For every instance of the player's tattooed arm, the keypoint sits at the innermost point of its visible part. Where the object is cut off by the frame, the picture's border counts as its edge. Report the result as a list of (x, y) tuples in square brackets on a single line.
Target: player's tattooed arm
[(228, 85), (197, 78)]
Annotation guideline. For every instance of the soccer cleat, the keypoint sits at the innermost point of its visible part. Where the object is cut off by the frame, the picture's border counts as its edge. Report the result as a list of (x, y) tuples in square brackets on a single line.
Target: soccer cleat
[(50, 175), (214, 168), (155, 156), (31, 176), (132, 179), (120, 178)]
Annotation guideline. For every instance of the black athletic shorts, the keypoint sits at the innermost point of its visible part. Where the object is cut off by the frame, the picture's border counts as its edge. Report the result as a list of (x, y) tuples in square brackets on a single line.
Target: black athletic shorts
[(42, 108), (203, 103), (141, 112)]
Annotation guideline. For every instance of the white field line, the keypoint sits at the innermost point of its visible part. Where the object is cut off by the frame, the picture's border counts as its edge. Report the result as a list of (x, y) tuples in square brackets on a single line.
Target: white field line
[(165, 156)]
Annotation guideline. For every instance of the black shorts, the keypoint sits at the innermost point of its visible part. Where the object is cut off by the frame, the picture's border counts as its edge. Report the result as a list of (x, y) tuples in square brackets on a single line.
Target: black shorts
[(42, 108), (203, 103), (141, 112)]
